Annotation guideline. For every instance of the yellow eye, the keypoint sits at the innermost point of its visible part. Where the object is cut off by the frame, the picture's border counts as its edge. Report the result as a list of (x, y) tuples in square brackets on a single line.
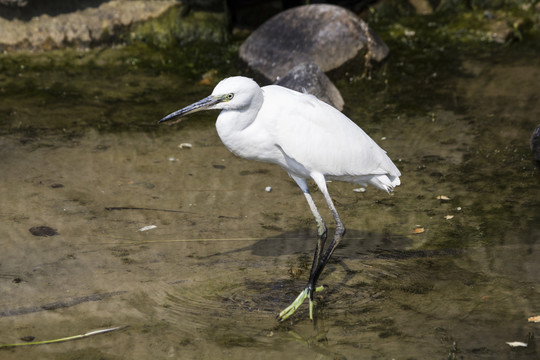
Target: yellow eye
[(230, 96)]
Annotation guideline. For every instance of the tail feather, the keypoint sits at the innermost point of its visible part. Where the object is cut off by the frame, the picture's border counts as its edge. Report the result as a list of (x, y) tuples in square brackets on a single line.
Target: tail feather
[(385, 182)]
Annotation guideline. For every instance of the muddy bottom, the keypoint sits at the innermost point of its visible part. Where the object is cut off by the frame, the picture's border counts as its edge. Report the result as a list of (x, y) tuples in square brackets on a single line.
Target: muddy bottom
[(187, 251)]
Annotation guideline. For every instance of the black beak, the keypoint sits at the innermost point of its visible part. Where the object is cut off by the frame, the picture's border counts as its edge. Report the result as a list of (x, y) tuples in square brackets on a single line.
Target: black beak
[(200, 105)]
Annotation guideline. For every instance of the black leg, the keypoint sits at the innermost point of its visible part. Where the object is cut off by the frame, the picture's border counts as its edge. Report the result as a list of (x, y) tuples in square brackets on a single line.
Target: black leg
[(338, 236), (320, 258), (322, 263)]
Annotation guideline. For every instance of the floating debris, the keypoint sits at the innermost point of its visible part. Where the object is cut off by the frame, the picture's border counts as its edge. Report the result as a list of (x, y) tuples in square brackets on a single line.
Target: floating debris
[(448, 217), (534, 318), (185, 146), (268, 189), (516, 344), (149, 227), (418, 230), (171, 159), (443, 198), (359, 190)]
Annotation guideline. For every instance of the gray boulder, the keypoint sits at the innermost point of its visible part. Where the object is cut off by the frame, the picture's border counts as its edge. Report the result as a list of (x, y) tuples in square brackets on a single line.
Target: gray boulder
[(309, 78), (326, 35)]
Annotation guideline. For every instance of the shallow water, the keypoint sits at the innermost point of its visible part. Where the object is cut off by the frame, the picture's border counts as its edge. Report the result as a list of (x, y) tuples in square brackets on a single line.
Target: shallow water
[(82, 153)]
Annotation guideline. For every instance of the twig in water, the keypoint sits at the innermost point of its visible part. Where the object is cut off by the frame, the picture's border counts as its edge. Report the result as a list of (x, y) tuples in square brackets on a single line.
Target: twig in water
[(75, 337)]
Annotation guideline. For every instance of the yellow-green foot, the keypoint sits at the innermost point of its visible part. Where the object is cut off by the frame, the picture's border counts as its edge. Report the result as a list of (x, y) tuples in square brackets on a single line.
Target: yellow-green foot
[(289, 310)]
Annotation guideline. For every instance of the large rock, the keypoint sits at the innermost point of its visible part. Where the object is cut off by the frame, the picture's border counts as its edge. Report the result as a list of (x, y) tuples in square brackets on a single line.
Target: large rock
[(326, 35), (14, 3), (84, 26), (309, 78)]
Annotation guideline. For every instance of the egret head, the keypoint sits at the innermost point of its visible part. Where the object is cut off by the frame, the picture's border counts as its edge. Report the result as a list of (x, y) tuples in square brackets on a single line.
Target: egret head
[(233, 93)]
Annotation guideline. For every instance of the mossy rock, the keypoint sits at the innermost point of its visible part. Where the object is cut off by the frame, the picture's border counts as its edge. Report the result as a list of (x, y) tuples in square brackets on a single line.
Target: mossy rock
[(182, 25)]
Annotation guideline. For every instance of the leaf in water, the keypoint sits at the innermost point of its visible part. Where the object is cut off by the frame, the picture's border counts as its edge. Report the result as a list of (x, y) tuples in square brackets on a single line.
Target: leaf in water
[(418, 230), (149, 227), (516, 344)]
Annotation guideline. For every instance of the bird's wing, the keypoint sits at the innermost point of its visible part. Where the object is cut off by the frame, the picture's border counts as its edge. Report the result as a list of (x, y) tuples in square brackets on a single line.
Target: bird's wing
[(320, 137)]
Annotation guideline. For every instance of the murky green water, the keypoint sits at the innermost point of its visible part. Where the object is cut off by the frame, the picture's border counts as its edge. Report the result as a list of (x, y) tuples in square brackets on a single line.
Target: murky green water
[(81, 153)]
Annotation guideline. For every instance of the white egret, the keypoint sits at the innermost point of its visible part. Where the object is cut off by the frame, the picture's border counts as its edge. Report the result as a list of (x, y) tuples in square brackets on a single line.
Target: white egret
[(308, 138)]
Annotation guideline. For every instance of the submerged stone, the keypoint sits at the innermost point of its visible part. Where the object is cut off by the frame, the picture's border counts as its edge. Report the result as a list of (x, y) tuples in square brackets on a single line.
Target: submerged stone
[(326, 35), (535, 144), (43, 231), (309, 78)]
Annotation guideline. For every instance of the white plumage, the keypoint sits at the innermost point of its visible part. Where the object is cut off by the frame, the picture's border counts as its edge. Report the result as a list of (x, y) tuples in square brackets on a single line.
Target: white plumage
[(306, 137), (301, 134)]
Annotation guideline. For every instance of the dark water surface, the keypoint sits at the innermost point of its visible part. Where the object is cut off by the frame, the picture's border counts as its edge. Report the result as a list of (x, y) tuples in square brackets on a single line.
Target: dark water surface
[(82, 154)]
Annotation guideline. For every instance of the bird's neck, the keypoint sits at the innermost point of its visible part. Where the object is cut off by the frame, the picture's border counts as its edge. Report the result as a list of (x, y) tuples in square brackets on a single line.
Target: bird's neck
[(234, 121)]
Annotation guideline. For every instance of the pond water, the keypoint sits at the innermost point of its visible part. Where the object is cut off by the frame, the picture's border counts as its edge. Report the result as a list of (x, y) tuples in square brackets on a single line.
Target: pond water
[(82, 154)]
